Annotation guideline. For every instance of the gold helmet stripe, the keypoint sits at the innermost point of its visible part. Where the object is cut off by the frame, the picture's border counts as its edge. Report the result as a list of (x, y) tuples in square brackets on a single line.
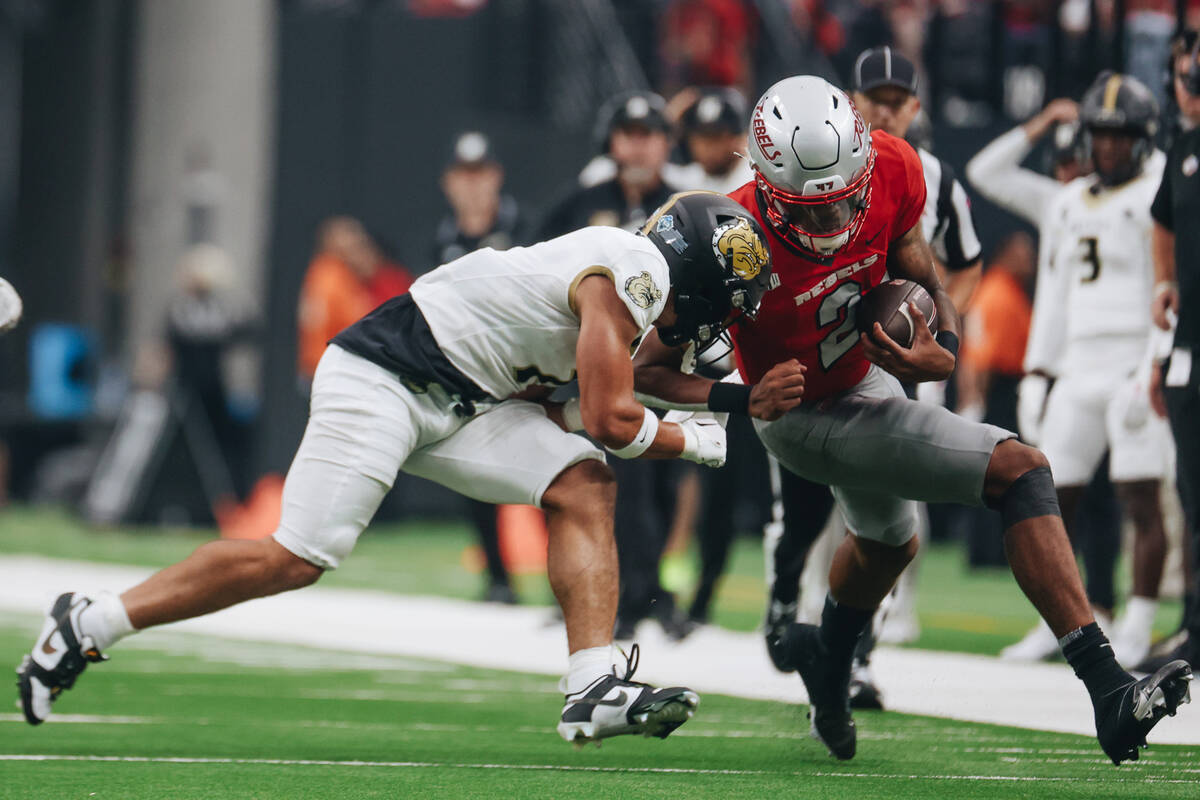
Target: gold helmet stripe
[(667, 207), (1111, 89)]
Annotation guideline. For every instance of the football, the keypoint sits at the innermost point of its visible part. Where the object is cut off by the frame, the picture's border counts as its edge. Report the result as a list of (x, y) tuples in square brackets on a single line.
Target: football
[(887, 304)]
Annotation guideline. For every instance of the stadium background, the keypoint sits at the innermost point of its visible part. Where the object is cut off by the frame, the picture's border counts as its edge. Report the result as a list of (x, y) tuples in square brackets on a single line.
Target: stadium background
[(132, 129)]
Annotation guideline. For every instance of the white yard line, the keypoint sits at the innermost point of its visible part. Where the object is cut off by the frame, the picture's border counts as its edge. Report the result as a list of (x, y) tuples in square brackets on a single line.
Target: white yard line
[(570, 768), (953, 685)]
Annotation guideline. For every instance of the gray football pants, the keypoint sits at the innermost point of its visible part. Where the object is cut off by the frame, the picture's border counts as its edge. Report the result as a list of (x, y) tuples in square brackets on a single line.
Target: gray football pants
[(879, 452)]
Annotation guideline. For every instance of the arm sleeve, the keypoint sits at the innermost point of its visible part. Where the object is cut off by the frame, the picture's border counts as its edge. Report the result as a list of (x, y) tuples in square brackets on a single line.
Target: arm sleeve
[(1048, 325), (997, 174), (1161, 210)]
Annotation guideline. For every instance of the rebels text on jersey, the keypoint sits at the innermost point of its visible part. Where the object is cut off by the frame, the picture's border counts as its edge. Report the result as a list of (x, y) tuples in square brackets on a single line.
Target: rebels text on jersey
[(810, 315)]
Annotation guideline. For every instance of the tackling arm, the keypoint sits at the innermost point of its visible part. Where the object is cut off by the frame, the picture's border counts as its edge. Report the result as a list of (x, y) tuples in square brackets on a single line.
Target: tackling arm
[(657, 373), (611, 414)]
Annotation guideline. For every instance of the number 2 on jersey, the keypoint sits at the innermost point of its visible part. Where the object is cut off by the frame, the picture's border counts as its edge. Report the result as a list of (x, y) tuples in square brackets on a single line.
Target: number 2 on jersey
[(842, 300)]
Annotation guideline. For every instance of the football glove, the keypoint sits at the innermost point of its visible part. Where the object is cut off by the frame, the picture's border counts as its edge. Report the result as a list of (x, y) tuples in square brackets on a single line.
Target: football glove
[(703, 436)]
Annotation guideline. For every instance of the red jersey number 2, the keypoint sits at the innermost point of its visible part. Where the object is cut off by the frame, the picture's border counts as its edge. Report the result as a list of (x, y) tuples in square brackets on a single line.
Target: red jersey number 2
[(839, 305)]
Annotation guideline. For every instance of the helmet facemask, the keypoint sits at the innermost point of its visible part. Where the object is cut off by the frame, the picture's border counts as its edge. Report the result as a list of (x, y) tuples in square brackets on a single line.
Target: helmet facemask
[(1125, 170), (701, 319), (820, 223)]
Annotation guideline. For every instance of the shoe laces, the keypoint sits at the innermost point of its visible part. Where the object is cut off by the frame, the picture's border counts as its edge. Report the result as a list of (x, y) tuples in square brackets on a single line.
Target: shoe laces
[(632, 659)]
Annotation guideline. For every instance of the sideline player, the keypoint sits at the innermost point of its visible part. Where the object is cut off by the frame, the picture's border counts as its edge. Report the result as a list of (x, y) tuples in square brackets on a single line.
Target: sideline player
[(842, 207), (1092, 333), (420, 384)]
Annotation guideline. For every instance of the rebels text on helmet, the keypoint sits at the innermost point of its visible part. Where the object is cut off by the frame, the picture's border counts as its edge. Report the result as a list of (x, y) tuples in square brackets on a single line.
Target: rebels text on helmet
[(762, 137)]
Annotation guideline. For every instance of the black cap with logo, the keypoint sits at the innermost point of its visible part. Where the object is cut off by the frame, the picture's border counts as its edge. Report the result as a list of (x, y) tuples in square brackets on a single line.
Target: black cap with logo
[(883, 66)]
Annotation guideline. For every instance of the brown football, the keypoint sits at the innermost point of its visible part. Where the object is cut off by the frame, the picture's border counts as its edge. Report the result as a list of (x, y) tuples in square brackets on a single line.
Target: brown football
[(887, 304)]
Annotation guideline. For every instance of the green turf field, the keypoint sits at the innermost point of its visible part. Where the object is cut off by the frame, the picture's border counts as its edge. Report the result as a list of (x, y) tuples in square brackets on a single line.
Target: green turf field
[(180, 716), (977, 611)]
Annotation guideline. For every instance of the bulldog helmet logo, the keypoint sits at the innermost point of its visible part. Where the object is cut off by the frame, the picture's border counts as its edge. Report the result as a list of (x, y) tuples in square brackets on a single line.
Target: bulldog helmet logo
[(642, 291), (740, 248)]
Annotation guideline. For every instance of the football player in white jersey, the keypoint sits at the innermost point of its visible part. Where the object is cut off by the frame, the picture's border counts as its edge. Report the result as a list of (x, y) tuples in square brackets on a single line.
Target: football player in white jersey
[(1092, 332), (441, 383)]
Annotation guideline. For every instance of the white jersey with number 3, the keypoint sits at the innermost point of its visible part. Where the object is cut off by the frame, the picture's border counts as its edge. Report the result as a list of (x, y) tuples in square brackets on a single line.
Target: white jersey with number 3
[(508, 320), (1095, 276)]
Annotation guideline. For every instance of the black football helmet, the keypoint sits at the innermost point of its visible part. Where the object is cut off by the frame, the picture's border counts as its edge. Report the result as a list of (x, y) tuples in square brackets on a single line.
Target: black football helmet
[(719, 261), (1123, 104)]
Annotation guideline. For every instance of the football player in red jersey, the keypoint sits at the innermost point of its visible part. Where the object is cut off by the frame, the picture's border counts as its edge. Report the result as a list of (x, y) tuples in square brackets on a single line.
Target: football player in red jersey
[(841, 206)]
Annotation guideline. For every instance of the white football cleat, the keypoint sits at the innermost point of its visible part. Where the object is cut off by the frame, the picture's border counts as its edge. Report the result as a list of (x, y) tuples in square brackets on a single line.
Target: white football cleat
[(59, 656), (612, 706), (1038, 645)]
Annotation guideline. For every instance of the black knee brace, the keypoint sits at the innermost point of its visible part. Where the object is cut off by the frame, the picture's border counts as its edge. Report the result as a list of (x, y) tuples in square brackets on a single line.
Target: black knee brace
[(1031, 495)]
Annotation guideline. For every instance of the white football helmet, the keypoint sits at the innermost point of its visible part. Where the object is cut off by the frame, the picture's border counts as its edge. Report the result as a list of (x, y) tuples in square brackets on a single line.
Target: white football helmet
[(812, 158)]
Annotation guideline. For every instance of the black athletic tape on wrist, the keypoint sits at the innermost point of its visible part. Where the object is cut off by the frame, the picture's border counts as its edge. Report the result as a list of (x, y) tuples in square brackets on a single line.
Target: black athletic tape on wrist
[(730, 398), (948, 340)]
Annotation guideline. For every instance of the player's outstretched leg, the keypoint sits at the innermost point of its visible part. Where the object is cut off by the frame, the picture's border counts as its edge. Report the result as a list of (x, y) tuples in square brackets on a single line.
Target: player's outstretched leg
[(582, 567), (1019, 485), (79, 629)]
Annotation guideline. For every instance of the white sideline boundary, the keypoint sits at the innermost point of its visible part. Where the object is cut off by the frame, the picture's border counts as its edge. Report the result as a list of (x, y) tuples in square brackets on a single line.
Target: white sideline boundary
[(951, 685), (573, 768)]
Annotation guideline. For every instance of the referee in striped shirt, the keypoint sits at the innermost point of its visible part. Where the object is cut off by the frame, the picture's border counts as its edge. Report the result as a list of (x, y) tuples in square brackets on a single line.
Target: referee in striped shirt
[(885, 91)]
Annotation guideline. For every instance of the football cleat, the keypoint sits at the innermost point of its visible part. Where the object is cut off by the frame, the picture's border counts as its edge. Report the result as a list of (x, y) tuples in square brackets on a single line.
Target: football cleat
[(1126, 715), (779, 616), (59, 656), (863, 691), (612, 706), (827, 684), (1040, 644), (1178, 645)]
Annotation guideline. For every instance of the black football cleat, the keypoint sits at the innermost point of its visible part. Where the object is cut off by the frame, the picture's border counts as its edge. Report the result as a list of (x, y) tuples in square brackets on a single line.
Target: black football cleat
[(779, 616), (827, 684), (1126, 715), (863, 691), (59, 656), (613, 706)]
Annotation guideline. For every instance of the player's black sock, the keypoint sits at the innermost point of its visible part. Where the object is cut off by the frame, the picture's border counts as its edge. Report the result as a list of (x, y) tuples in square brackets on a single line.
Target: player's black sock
[(841, 625), (1088, 652), (786, 589)]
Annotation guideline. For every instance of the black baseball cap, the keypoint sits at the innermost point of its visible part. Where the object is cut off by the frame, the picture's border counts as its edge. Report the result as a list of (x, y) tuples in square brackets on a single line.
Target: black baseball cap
[(631, 110), (472, 149), (721, 110), (883, 66)]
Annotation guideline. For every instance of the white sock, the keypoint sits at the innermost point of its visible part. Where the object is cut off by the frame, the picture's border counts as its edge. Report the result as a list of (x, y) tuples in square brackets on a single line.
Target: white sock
[(105, 621), (584, 666), (1139, 613)]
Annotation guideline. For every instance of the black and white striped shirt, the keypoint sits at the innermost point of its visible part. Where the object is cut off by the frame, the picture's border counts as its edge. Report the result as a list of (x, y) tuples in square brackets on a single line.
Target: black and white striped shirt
[(946, 219)]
